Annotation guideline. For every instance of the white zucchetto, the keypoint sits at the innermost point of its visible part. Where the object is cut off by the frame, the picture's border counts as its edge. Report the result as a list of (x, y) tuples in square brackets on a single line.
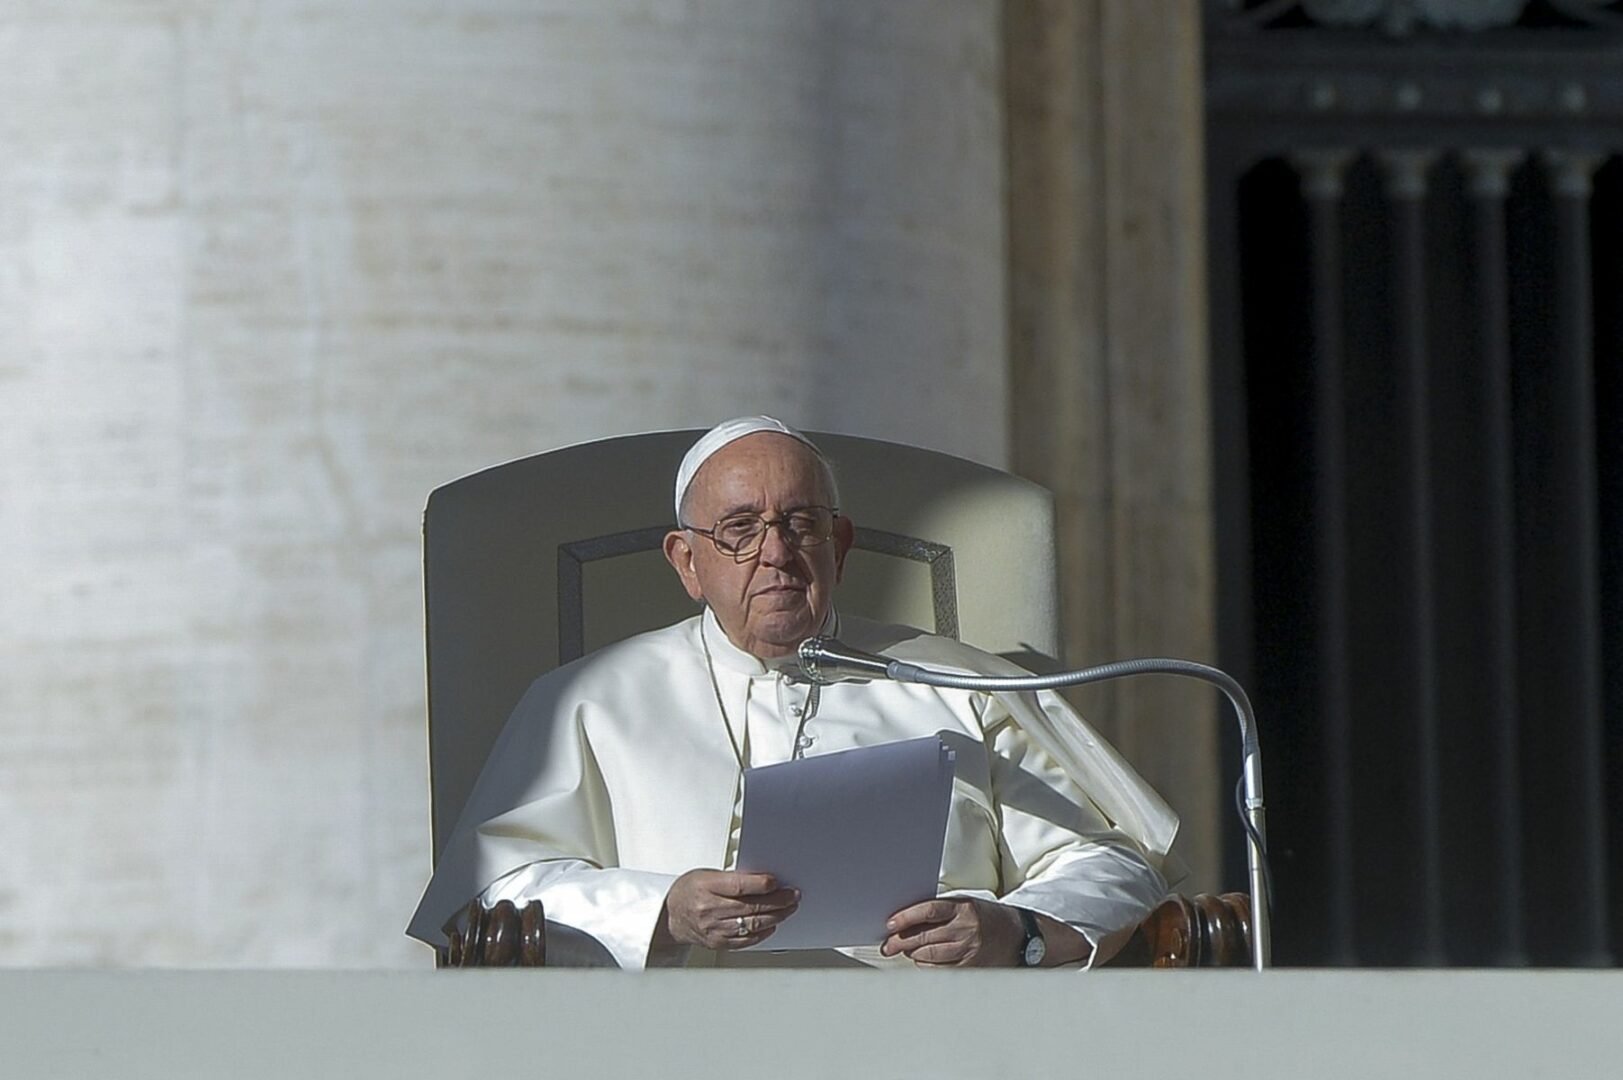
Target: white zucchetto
[(728, 431)]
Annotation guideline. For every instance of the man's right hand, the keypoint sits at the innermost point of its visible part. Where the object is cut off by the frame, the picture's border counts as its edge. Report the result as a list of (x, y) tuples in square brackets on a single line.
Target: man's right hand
[(723, 909)]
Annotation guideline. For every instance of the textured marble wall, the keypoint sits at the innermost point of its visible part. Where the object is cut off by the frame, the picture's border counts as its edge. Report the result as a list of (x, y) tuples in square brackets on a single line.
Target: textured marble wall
[(270, 272)]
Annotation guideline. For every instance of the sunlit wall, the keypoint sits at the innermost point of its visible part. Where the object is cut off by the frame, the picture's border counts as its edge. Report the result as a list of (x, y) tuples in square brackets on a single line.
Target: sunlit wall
[(270, 272)]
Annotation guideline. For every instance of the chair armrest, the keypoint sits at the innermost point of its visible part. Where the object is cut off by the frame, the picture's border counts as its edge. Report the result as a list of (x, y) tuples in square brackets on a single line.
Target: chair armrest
[(503, 936), (1206, 931)]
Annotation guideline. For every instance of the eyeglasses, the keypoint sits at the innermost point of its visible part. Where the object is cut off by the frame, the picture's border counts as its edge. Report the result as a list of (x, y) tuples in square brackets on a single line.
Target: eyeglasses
[(741, 535)]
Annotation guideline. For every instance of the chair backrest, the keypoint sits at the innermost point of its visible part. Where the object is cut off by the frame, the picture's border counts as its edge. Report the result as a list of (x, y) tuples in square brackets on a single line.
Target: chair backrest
[(531, 564)]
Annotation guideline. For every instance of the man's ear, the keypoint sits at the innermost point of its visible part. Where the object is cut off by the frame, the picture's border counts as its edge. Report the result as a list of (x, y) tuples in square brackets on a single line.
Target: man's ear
[(679, 553), (845, 534)]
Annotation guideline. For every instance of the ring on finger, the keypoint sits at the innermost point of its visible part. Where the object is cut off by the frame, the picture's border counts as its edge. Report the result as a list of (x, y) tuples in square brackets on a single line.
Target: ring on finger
[(743, 927)]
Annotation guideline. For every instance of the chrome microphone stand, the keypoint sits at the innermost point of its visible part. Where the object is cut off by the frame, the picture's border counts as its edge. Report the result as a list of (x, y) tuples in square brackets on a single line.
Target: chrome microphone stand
[(825, 660)]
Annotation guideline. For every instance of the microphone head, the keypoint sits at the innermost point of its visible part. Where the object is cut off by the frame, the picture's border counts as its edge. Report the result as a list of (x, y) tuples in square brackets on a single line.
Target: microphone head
[(826, 660), (810, 654)]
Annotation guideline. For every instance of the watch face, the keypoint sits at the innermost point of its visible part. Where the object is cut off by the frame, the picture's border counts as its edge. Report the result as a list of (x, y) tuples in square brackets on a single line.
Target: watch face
[(1036, 949)]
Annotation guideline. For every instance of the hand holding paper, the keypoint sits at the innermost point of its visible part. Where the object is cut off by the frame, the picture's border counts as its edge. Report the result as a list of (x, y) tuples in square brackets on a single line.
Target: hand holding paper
[(723, 909), (859, 833)]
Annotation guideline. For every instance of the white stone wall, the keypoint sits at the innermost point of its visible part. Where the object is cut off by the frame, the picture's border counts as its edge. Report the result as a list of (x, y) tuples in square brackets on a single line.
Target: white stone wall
[(271, 271)]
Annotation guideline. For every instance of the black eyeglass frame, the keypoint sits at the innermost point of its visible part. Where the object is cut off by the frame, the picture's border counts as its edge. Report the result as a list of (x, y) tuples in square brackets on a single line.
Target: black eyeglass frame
[(740, 555)]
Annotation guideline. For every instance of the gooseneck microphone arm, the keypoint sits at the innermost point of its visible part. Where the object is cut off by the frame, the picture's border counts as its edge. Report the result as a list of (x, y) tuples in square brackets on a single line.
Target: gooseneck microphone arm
[(827, 660)]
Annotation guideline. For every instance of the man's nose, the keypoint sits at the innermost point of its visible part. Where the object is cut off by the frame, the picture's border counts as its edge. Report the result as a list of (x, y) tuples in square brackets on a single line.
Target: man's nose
[(776, 550)]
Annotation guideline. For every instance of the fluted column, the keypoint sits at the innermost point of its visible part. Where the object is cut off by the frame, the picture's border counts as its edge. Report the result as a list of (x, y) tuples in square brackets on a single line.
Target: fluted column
[(1573, 431), (1488, 176), (1406, 178)]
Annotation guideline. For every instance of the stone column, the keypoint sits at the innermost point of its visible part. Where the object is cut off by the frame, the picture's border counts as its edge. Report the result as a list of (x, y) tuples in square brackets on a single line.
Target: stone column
[(1108, 364)]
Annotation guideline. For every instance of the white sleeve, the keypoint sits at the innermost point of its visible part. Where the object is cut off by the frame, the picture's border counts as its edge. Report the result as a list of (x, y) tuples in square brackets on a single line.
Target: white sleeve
[(619, 908), (1059, 854), (538, 824)]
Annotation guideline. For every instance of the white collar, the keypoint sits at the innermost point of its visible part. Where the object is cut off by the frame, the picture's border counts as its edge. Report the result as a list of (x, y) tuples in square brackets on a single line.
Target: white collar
[(727, 655)]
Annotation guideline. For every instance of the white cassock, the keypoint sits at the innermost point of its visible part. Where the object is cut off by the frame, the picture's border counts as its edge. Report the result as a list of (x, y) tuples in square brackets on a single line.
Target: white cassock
[(621, 771)]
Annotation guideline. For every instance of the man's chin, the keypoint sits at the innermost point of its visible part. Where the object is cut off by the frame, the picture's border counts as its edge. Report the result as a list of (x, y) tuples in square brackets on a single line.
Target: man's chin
[(780, 637)]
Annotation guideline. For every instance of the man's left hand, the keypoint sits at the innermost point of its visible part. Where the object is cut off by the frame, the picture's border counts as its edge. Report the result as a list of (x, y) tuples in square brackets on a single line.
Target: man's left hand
[(956, 931)]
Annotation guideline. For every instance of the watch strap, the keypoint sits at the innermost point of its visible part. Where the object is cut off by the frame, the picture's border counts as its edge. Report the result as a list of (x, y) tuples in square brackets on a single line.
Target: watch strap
[(1033, 932)]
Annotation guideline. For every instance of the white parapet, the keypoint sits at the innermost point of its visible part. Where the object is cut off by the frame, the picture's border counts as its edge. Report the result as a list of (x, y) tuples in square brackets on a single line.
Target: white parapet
[(788, 1025)]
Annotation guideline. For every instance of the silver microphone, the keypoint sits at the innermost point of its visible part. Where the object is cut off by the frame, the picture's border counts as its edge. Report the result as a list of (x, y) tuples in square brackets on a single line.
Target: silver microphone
[(825, 660)]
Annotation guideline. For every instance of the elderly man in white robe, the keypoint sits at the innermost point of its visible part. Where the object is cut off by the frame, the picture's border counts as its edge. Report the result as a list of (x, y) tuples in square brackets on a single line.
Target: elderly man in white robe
[(614, 793)]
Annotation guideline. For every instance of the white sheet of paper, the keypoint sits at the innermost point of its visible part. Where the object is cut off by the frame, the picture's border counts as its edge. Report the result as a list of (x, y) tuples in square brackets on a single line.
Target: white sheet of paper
[(858, 832)]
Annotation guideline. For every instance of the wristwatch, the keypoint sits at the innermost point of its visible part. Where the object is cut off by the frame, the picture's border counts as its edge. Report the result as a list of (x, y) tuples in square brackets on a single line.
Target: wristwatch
[(1035, 948)]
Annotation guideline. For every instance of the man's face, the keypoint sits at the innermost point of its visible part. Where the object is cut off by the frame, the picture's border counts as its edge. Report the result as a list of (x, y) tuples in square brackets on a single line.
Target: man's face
[(779, 596)]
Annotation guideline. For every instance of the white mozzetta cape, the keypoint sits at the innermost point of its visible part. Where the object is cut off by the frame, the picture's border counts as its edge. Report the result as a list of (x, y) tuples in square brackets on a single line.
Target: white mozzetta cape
[(616, 774)]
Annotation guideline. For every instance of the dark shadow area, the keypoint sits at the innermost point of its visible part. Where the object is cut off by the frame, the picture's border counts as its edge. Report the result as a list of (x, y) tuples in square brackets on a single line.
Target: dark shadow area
[(1523, 863), (1607, 237), (1275, 303)]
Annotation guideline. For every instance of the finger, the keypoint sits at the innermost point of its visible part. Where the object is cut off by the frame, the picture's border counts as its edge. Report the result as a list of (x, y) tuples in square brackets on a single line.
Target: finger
[(943, 954), (925, 913), (723, 941), (929, 934), (746, 925), (775, 918), (780, 900), (910, 943), (738, 883), (726, 913), (904, 945), (767, 918)]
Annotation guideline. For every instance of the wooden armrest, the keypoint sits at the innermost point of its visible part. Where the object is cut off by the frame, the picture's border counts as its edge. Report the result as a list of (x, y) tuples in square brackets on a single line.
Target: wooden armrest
[(504, 936), (1206, 931)]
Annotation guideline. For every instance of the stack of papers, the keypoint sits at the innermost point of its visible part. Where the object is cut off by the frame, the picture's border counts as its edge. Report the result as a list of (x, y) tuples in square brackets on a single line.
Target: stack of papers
[(858, 832)]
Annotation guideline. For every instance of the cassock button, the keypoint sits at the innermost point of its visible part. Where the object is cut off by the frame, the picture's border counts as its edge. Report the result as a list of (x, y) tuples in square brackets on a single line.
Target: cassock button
[(794, 710)]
